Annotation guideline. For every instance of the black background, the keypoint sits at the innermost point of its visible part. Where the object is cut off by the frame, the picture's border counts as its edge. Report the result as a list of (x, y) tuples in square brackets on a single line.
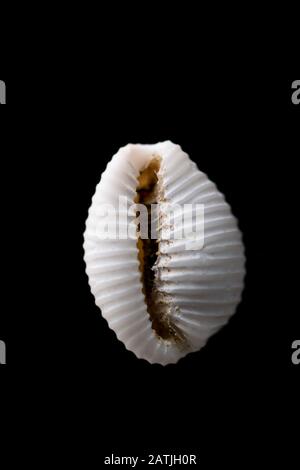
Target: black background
[(234, 400)]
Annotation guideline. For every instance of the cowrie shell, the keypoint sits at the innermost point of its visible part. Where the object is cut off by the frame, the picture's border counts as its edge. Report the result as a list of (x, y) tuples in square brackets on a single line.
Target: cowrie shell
[(163, 298)]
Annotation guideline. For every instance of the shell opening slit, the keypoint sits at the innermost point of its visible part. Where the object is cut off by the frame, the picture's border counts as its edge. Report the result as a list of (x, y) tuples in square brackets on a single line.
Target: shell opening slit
[(159, 303)]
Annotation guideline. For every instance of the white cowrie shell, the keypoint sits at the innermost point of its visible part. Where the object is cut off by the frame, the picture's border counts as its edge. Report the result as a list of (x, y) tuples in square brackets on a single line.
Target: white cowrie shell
[(193, 292)]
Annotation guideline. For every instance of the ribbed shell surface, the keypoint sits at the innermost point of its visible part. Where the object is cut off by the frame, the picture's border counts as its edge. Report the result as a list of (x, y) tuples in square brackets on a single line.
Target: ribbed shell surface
[(205, 285)]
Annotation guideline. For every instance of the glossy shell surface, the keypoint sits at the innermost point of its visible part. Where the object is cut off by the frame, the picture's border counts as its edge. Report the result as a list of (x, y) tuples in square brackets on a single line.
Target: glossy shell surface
[(203, 287)]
